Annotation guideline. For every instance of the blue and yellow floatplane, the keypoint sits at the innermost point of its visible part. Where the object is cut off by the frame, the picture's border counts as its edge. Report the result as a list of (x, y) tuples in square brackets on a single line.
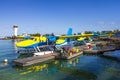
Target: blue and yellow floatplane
[(63, 40), (59, 40)]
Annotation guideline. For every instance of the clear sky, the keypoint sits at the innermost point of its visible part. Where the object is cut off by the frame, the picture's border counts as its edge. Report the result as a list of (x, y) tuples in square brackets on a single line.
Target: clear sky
[(47, 16)]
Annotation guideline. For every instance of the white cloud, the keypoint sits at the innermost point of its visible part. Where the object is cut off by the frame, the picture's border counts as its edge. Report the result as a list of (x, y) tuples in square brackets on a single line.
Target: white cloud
[(100, 22), (112, 23)]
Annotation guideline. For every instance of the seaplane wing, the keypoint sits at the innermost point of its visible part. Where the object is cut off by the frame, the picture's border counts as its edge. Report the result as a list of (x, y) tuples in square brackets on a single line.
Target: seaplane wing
[(76, 36)]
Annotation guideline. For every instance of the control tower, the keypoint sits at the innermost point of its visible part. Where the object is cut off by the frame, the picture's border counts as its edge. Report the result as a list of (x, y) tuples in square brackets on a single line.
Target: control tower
[(15, 28)]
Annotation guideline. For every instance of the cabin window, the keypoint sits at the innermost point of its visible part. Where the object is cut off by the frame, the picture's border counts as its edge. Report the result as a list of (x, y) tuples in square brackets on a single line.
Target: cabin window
[(35, 39)]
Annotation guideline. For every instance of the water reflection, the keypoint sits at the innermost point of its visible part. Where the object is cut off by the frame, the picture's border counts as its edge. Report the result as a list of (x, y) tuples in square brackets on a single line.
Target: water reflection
[(2, 64), (79, 73), (67, 67), (15, 47), (29, 69)]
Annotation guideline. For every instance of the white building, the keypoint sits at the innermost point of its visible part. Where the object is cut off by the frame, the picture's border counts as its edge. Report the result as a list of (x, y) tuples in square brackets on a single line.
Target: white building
[(15, 28)]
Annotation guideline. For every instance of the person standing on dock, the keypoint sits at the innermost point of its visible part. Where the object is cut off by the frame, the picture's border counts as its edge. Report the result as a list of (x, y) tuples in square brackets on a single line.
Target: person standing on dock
[(61, 52), (53, 44), (54, 47)]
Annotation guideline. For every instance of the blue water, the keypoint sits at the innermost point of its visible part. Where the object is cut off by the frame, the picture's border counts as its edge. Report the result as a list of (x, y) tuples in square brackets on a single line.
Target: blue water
[(85, 67)]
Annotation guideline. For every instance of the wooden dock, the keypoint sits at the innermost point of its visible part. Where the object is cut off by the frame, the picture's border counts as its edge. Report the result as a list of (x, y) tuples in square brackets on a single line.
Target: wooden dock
[(69, 57), (90, 51), (33, 60)]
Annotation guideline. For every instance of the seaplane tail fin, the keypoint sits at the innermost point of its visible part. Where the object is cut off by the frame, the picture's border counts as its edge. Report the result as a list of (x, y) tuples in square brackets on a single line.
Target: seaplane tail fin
[(62, 41), (69, 32)]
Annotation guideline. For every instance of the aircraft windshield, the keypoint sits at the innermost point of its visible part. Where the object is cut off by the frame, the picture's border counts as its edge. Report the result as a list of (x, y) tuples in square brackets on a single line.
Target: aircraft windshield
[(44, 49)]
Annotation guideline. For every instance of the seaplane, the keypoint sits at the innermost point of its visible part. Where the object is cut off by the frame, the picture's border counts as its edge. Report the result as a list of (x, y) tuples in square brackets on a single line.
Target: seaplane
[(71, 39), (36, 42), (33, 44), (42, 40)]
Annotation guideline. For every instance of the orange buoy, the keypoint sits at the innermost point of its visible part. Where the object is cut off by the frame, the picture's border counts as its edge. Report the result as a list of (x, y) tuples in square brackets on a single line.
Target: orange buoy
[(5, 60)]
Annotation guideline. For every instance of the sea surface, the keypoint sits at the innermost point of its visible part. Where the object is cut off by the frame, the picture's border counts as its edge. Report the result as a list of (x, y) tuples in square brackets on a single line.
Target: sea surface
[(85, 67)]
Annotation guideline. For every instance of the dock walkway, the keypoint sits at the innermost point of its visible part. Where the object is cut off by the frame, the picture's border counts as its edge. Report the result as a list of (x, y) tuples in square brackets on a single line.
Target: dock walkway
[(90, 51), (69, 57), (32, 60)]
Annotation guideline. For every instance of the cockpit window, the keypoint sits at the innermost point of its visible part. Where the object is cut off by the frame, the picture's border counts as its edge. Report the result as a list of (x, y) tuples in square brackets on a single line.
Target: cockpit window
[(32, 38), (44, 49), (35, 39), (41, 49)]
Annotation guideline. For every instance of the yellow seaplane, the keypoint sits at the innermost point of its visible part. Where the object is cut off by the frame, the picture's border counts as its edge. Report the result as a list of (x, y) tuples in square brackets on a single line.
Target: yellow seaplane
[(63, 40), (59, 40)]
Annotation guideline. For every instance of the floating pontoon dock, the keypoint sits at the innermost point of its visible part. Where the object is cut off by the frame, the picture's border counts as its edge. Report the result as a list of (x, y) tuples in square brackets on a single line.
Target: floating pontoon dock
[(33, 60), (69, 57), (89, 51)]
